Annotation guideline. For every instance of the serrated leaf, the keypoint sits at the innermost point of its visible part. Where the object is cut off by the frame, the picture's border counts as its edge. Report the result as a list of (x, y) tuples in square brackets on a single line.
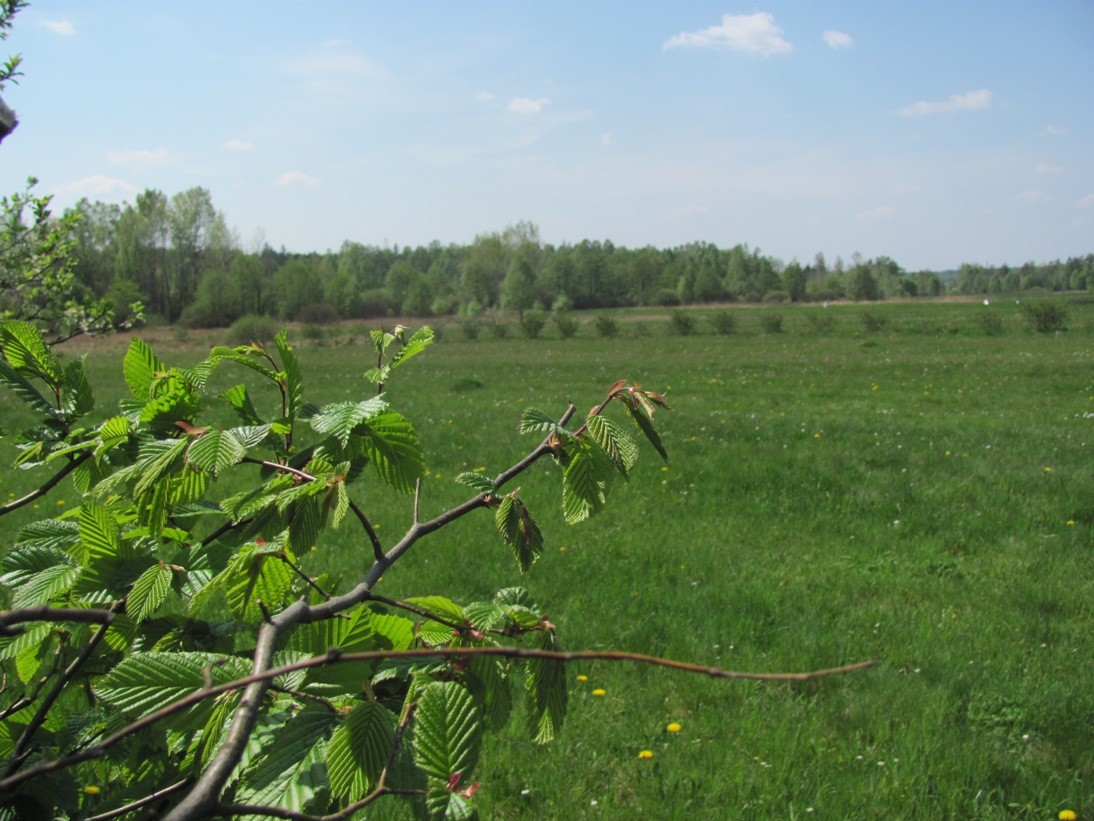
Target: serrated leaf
[(496, 694), (253, 576), (23, 389), (359, 750), (294, 380), (614, 441), (394, 450), (479, 482), (240, 400), (418, 342), (155, 459), (140, 367), (585, 481), (148, 592), (443, 803), (440, 606), (112, 432), (340, 418), (216, 450), (533, 420), (144, 682), (545, 684), (99, 532), (78, 398), (519, 530), (645, 424), (25, 349), (284, 773), (447, 730), (45, 586)]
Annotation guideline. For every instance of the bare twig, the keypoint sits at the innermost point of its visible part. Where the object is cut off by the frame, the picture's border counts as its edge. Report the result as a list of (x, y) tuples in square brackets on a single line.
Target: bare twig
[(142, 802), (46, 486), (43, 612)]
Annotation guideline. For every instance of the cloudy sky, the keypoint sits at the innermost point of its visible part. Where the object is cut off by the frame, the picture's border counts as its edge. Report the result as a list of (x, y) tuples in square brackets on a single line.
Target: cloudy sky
[(933, 132)]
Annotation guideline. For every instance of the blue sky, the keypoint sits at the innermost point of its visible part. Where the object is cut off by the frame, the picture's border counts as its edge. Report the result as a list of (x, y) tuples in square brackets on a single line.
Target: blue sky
[(933, 132)]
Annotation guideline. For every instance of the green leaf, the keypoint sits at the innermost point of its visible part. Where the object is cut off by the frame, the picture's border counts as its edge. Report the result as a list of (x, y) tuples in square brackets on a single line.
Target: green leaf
[(519, 530), (443, 803), (26, 350), (78, 399), (215, 450), (440, 606), (339, 419), (144, 682), (285, 773), (545, 683), (99, 532), (238, 398), (294, 381), (418, 342), (495, 693), (479, 482), (156, 458), (645, 424), (256, 575), (23, 389), (533, 420), (140, 367), (112, 432), (586, 481), (148, 592), (45, 587), (447, 730), (394, 450), (359, 750), (615, 442)]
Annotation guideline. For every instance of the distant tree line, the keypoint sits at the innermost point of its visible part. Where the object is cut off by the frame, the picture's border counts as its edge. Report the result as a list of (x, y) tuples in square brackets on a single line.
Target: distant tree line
[(176, 255)]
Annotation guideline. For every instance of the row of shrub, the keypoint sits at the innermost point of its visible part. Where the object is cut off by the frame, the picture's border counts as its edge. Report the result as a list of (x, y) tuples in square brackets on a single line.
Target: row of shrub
[(1042, 316)]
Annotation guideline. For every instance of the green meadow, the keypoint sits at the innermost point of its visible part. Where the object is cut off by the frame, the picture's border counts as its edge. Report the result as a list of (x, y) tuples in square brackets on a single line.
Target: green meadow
[(906, 483)]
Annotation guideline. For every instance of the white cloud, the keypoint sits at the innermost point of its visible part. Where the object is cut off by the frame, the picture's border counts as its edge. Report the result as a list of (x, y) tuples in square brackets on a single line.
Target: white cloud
[(1045, 168), (485, 97), (1033, 195), (754, 33), (143, 157), (343, 63), (607, 139), (62, 27), (1055, 130), (879, 214), (98, 185), (296, 178), (690, 211), (526, 105), (956, 102), (838, 40), (1085, 202), (237, 145)]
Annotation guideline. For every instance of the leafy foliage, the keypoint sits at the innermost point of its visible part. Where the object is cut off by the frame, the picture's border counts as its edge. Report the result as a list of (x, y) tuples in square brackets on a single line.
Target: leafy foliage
[(181, 632)]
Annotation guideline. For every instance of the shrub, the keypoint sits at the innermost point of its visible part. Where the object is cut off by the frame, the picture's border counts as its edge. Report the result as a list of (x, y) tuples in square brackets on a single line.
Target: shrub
[(373, 303), (776, 297), (566, 324), (606, 326), (532, 323), (470, 329), (820, 323), (1044, 315), (498, 328), (252, 328), (641, 329), (723, 322), (313, 333), (771, 323), (562, 304), (872, 322), (666, 297), (682, 323), (318, 313), (990, 323)]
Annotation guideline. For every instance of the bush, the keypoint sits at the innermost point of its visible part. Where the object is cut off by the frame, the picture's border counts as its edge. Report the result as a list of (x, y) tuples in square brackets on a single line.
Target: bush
[(562, 304), (666, 297), (318, 313), (373, 303), (776, 297), (532, 323), (771, 323), (606, 326), (820, 322), (872, 322), (313, 333), (566, 324), (990, 323), (499, 329), (252, 328), (641, 329), (470, 329), (723, 322), (1044, 315), (682, 323)]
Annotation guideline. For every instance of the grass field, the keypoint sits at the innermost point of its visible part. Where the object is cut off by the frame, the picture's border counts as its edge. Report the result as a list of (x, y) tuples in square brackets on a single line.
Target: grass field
[(918, 490)]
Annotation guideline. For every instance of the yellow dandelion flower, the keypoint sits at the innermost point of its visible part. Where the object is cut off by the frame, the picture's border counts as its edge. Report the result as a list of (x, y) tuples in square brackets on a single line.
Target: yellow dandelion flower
[(1070, 522), (481, 469), (582, 678), (600, 692), (91, 789), (1048, 468), (60, 503), (646, 754), (816, 436), (674, 727), (1067, 815)]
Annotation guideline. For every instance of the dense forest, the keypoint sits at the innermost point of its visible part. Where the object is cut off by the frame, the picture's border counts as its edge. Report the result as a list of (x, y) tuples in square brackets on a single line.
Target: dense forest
[(178, 257)]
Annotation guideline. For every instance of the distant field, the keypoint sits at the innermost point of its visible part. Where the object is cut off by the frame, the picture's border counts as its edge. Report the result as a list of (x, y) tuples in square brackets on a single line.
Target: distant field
[(911, 483)]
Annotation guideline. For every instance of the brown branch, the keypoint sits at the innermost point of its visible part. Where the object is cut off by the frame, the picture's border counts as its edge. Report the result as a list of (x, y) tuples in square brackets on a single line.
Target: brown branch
[(402, 605), (260, 680), (377, 548), (142, 802), (46, 486), (44, 612), (307, 579)]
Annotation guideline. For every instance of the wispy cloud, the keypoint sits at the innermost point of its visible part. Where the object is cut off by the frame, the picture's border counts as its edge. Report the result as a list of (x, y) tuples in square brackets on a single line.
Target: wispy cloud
[(98, 185), (1055, 130), (753, 33), (957, 102), (607, 139), (839, 40), (338, 63), (1085, 202), (141, 157), (485, 97), (686, 211), (237, 145), (296, 178), (526, 105), (1033, 195), (62, 27), (1045, 168)]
